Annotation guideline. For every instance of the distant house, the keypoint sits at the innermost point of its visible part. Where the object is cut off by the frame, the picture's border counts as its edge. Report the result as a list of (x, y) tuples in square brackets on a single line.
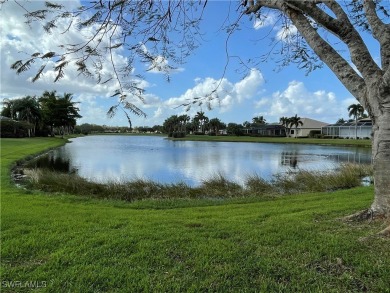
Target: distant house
[(273, 129), (362, 130), (307, 126)]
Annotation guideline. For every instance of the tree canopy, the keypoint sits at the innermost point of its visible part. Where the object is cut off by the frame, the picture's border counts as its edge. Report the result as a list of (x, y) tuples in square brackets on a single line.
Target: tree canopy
[(48, 112)]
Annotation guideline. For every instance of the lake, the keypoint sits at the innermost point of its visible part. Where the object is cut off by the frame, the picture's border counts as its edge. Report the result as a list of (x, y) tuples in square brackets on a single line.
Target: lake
[(104, 158)]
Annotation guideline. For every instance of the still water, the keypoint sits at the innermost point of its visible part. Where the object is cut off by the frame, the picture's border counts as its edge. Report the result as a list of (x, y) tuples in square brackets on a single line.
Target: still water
[(113, 158)]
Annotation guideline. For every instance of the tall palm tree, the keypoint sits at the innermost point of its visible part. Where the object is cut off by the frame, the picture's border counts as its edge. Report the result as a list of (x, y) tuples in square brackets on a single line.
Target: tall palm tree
[(47, 103), (183, 120), (171, 124), (70, 111), (8, 108), (215, 125), (28, 110), (285, 121), (59, 111), (295, 121), (355, 110), (202, 119)]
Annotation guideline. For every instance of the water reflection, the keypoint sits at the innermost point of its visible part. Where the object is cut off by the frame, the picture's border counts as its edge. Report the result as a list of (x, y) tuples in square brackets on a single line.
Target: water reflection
[(108, 158), (52, 162), (289, 159)]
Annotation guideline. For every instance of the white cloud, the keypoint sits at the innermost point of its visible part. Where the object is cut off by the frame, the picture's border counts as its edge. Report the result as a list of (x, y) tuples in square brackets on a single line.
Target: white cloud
[(264, 21), (225, 93), (297, 99), (17, 38), (284, 33)]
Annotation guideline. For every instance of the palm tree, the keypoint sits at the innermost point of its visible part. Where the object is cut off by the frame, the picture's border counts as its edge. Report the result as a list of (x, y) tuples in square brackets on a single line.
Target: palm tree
[(27, 109), (71, 112), (171, 124), (8, 108), (59, 111), (183, 120), (341, 121), (246, 124), (259, 120), (215, 124), (202, 119), (295, 121), (285, 121), (355, 110)]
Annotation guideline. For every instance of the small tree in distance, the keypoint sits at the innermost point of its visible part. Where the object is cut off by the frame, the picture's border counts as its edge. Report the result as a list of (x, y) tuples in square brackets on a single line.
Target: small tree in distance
[(295, 121), (355, 110)]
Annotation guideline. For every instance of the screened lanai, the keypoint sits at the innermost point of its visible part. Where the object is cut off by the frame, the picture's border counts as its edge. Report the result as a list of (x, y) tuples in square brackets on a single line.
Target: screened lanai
[(349, 129)]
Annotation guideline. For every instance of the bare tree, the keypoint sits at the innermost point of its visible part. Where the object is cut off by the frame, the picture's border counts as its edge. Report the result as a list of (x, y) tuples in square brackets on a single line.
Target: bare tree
[(148, 30)]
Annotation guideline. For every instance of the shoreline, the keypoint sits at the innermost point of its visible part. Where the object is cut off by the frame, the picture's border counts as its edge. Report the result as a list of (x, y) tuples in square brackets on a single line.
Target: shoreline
[(281, 140)]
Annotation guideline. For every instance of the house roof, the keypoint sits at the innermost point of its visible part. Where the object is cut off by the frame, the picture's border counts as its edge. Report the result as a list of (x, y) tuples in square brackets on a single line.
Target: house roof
[(311, 123), (362, 122)]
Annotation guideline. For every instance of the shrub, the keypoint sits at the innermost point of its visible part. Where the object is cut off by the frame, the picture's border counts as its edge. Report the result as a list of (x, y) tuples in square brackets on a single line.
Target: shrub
[(11, 128), (178, 134)]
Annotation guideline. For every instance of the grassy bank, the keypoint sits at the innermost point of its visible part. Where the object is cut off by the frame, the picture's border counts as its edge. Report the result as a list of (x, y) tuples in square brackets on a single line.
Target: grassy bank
[(296, 243), (340, 142), (218, 186)]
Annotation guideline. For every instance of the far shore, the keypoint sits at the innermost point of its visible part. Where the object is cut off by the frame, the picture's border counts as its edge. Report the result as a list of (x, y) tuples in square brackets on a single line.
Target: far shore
[(258, 139)]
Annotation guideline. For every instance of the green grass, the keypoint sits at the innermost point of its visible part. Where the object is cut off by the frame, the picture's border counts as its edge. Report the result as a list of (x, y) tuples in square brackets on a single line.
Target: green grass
[(295, 243), (341, 142)]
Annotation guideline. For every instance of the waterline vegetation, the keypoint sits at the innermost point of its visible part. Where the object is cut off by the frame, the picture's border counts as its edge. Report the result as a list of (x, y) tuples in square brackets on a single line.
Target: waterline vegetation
[(218, 186)]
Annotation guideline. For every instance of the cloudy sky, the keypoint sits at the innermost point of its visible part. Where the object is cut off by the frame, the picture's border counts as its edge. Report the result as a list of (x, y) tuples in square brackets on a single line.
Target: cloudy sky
[(263, 90)]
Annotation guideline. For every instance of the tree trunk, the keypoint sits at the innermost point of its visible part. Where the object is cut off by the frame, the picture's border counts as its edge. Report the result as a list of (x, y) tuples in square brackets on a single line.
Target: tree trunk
[(356, 122), (381, 163)]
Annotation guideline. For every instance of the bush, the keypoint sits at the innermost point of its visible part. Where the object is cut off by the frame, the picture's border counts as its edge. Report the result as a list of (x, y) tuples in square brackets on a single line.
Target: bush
[(178, 134), (11, 128)]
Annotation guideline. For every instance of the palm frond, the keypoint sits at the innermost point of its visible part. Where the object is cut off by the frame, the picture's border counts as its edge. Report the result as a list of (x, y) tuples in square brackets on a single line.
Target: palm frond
[(39, 73)]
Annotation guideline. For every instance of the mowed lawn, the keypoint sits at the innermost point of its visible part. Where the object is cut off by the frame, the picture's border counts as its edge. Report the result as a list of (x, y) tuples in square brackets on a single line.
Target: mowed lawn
[(64, 243)]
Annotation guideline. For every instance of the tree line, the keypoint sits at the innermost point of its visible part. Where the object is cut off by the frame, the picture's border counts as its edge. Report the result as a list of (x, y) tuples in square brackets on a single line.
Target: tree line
[(179, 126), (46, 115)]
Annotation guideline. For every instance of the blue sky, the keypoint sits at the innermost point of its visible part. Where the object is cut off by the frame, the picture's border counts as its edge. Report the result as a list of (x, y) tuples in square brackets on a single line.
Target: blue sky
[(263, 90)]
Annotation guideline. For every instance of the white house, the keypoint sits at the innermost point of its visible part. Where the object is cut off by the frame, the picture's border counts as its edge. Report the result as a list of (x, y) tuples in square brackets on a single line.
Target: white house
[(307, 126), (361, 130)]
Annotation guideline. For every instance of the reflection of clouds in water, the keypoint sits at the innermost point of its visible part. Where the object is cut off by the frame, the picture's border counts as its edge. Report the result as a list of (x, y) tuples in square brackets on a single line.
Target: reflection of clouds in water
[(229, 161), (114, 158)]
